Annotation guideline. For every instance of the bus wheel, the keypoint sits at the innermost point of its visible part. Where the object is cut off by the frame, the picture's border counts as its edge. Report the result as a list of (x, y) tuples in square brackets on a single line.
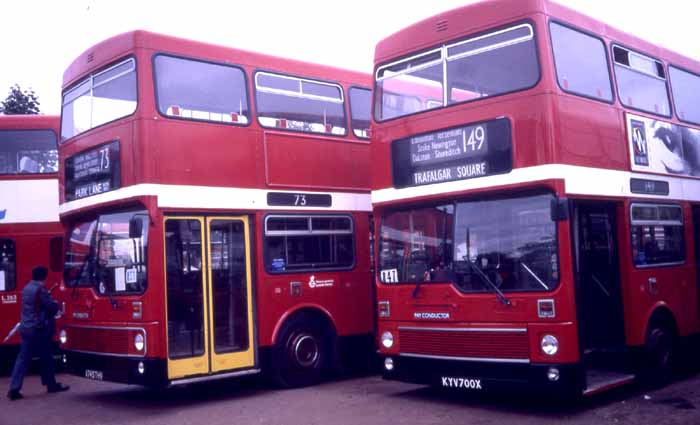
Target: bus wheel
[(660, 354), (301, 353)]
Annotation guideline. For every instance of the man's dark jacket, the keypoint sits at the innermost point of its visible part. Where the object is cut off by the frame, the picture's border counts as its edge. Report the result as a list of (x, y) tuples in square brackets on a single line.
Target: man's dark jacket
[(38, 310)]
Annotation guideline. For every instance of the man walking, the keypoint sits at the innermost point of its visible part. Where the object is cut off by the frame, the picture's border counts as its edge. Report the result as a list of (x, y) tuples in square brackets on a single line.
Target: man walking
[(37, 329)]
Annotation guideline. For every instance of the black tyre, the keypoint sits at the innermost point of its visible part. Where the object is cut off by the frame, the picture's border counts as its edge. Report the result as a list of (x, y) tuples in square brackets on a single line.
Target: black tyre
[(659, 354), (301, 353)]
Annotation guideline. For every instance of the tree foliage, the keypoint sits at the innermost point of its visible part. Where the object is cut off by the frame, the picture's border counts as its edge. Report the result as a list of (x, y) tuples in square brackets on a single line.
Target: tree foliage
[(20, 102)]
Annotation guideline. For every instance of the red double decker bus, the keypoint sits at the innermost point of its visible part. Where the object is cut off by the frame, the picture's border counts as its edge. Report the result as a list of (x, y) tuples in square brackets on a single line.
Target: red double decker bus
[(216, 206), (29, 227), (538, 223)]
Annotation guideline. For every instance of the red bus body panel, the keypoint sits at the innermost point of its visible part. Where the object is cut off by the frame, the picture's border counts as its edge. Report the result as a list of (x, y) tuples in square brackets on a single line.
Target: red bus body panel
[(31, 221)]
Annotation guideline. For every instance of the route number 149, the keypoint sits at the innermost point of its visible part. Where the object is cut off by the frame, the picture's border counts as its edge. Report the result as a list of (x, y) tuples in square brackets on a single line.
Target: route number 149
[(475, 140)]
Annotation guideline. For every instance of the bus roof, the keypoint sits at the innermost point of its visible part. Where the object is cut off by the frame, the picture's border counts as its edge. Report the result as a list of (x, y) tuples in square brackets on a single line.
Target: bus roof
[(113, 48), (29, 122), (488, 14)]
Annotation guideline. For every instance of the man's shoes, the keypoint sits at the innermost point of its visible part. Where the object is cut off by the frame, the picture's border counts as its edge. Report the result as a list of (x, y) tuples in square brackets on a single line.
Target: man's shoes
[(57, 388), (14, 395)]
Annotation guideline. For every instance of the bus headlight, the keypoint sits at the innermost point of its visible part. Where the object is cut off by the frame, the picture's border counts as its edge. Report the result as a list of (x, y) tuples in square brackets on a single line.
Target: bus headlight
[(549, 344), (63, 336), (387, 339), (139, 342), (389, 364)]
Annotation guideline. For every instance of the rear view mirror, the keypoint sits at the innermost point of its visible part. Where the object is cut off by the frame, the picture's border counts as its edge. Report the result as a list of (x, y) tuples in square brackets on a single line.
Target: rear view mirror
[(56, 254), (135, 227)]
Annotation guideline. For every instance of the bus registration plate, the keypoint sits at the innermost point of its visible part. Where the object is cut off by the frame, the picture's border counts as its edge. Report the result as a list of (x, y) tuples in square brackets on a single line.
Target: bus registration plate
[(94, 374), (465, 383)]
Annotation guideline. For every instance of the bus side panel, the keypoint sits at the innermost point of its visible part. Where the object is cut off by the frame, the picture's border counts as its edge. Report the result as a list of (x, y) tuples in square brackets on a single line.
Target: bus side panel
[(32, 242), (293, 160), (587, 133), (645, 289), (345, 294)]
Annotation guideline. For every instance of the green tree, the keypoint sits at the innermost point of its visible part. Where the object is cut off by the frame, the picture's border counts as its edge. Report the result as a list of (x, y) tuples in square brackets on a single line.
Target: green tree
[(20, 102)]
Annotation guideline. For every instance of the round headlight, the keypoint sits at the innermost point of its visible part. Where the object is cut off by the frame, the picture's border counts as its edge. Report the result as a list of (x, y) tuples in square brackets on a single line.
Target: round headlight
[(549, 344), (139, 342), (387, 339), (63, 336)]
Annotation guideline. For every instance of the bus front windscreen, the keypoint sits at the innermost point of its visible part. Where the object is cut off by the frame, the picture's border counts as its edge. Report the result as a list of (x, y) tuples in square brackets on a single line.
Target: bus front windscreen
[(100, 253), (98, 99), (487, 65), (509, 243)]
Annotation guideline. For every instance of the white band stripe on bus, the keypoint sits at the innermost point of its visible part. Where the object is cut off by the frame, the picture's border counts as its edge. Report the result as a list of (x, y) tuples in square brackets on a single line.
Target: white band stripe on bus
[(28, 201), (225, 198), (578, 181)]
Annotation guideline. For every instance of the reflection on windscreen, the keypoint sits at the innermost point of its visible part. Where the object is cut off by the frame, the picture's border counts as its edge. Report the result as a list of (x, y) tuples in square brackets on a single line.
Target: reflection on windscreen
[(496, 63), (99, 99), (100, 253), (512, 241)]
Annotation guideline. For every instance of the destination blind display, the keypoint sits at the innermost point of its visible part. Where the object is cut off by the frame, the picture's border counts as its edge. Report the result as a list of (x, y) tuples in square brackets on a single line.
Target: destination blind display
[(458, 153), (93, 172)]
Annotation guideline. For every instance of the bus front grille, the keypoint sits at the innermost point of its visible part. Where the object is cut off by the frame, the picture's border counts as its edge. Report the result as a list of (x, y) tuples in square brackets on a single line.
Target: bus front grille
[(98, 340), (466, 343)]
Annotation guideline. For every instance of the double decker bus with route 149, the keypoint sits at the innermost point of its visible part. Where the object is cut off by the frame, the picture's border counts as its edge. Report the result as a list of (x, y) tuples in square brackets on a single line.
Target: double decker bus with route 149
[(217, 212), (538, 224)]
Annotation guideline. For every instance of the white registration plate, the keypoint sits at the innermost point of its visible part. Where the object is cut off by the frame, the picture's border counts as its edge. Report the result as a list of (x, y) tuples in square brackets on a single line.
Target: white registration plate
[(464, 383), (94, 374)]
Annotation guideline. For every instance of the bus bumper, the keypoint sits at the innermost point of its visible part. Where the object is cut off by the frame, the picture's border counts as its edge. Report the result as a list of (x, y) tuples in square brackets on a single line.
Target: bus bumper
[(474, 376), (127, 370)]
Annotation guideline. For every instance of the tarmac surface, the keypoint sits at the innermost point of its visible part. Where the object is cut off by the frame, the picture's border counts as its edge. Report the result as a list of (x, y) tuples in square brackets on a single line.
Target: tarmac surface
[(359, 401)]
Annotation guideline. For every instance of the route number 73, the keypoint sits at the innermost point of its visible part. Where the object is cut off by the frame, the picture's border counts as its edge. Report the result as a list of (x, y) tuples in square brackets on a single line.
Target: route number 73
[(104, 158)]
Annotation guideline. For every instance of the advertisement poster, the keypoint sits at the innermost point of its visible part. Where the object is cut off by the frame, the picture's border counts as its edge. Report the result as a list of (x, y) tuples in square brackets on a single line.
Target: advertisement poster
[(661, 147)]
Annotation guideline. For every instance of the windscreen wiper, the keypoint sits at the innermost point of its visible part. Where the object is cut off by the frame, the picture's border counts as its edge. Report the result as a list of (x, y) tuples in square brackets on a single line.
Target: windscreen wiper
[(416, 289), (74, 283), (499, 294)]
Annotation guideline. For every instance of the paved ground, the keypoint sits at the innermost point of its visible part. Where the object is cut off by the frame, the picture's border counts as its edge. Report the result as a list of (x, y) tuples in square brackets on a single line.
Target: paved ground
[(357, 401)]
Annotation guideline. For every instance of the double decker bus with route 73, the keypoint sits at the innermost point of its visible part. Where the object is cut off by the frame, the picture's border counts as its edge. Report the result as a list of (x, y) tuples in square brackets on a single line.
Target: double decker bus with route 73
[(217, 213)]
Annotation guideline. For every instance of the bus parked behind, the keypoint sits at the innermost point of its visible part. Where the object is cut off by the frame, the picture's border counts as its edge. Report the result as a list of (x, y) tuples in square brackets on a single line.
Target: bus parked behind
[(29, 227)]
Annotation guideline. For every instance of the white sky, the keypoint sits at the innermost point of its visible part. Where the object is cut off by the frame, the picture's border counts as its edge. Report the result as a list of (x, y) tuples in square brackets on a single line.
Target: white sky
[(41, 37)]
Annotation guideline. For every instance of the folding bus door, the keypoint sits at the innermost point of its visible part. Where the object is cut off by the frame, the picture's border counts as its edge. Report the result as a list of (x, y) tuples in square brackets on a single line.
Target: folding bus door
[(231, 318), (209, 295)]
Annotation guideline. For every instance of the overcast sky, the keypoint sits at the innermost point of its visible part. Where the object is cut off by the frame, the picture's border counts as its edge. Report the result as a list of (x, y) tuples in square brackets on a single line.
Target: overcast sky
[(41, 37)]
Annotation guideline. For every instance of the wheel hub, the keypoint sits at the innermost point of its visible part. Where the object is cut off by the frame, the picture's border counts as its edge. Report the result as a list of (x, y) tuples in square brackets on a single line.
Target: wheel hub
[(305, 350)]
